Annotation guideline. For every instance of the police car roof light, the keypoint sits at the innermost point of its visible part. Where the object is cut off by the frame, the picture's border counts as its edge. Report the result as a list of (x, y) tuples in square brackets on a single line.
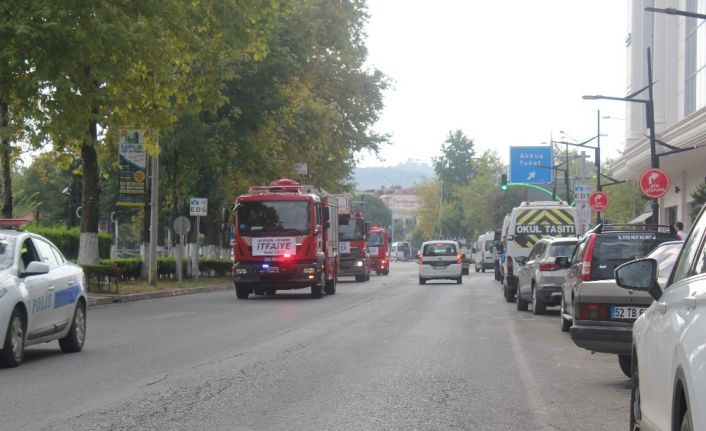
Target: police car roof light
[(13, 223)]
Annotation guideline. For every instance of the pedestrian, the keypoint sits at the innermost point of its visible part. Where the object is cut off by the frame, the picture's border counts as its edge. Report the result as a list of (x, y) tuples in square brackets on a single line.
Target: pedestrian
[(679, 226)]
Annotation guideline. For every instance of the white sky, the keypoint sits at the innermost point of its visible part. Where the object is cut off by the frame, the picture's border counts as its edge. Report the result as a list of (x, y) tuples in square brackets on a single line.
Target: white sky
[(507, 73)]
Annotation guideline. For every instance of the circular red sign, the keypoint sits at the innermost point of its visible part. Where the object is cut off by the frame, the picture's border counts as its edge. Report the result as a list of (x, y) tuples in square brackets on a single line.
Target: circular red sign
[(598, 201), (654, 183)]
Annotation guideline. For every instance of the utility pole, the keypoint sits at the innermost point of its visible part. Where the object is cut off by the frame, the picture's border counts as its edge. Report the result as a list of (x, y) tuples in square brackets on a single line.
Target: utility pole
[(154, 209)]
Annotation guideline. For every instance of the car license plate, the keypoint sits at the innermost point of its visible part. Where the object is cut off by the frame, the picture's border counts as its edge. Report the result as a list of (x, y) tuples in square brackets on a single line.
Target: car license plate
[(439, 267), (626, 312)]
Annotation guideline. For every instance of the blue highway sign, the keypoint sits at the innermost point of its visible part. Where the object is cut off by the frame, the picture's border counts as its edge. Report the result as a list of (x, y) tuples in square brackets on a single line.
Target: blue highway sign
[(531, 165)]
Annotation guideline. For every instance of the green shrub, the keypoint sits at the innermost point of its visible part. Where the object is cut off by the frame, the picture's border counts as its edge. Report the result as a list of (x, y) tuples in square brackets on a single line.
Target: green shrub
[(131, 268), (68, 240)]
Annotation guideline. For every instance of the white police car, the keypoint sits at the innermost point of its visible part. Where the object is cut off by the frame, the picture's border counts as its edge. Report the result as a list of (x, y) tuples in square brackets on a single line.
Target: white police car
[(42, 296)]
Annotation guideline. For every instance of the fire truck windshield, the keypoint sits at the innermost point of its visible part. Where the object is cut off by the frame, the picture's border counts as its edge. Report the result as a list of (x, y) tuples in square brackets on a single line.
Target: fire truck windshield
[(273, 218), (375, 239), (354, 230)]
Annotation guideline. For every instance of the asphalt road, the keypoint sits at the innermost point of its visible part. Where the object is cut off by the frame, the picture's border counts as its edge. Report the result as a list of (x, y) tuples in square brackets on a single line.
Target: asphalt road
[(387, 354)]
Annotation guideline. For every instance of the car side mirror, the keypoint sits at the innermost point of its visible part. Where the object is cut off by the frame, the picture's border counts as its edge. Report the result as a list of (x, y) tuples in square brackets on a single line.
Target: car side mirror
[(35, 268), (521, 260), (641, 275), (563, 261)]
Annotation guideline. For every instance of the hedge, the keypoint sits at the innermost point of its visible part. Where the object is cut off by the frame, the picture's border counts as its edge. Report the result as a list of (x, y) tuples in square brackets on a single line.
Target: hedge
[(131, 268), (68, 240)]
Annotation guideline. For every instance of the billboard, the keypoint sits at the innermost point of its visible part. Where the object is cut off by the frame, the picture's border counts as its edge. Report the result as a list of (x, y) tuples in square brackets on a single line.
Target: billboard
[(133, 161), (532, 165)]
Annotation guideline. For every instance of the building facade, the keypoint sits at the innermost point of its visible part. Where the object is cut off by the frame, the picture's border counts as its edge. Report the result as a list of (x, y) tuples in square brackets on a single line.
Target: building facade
[(678, 51)]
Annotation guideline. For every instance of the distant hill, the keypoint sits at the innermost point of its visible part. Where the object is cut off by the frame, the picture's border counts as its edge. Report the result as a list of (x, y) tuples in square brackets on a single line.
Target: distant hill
[(404, 174)]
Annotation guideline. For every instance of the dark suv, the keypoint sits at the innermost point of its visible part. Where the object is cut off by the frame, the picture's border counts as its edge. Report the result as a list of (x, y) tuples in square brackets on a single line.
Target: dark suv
[(598, 313)]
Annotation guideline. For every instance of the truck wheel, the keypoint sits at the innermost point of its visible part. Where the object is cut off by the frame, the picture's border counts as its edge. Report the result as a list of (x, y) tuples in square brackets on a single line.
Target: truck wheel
[(317, 291), (459, 280), (14, 348), (242, 292), (360, 278), (422, 281), (73, 342), (330, 287)]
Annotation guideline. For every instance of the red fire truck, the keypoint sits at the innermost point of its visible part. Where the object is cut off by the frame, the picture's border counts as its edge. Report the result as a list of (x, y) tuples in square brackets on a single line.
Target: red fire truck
[(352, 235), (378, 242), (286, 237)]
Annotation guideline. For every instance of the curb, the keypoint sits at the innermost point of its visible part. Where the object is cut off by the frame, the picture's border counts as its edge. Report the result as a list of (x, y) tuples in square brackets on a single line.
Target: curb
[(94, 300)]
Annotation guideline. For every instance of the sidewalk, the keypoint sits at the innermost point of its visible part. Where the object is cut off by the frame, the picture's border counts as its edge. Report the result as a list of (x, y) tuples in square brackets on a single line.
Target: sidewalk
[(107, 298)]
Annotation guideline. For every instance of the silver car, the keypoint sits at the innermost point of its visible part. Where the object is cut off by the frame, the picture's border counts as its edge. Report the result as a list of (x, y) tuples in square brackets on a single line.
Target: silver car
[(440, 260), (540, 278)]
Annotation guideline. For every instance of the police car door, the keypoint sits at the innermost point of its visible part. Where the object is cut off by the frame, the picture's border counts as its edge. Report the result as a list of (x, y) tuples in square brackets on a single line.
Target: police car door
[(40, 294), (65, 283)]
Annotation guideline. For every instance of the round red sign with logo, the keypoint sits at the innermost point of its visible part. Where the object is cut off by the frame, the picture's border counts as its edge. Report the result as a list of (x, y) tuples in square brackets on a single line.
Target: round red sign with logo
[(598, 201), (654, 183)]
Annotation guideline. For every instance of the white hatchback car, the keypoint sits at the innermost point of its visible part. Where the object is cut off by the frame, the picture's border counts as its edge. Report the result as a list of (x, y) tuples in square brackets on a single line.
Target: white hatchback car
[(42, 296), (669, 347), (440, 260)]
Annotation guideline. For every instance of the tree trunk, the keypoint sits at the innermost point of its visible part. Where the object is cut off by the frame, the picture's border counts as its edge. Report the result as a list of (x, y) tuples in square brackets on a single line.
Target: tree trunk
[(5, 165), (88, 247)]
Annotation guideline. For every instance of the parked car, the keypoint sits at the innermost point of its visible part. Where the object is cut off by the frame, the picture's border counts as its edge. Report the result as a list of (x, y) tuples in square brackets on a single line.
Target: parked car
[(539, 276), (668, 349), (42, 296), (598, 313), (440, 260)]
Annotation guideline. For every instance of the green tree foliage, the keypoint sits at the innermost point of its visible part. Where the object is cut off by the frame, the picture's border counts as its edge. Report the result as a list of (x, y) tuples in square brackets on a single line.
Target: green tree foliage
[(699, 195), (625, 202), (429, 212), (475, 207), (138, 64), (231, 92), (455, 164), (373, 208)]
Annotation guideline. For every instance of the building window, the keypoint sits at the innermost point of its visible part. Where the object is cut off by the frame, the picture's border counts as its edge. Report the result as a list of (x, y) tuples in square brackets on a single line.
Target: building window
[(695, 59)]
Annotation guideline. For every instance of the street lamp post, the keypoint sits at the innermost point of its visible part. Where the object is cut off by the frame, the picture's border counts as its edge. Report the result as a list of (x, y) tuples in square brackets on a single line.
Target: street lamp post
[(649, 120)]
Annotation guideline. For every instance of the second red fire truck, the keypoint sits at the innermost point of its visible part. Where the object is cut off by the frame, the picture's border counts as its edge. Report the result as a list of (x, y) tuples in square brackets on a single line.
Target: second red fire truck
[(378, 243)]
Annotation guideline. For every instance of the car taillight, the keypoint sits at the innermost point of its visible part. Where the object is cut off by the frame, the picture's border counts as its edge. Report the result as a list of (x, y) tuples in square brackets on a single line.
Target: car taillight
[(594, 312), (588, 259), (548, 267), (458, 258)]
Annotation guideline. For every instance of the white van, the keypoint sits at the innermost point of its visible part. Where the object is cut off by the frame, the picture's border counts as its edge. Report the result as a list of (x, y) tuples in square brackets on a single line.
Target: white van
[(401, 250), (485, 252), (527, 224)]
